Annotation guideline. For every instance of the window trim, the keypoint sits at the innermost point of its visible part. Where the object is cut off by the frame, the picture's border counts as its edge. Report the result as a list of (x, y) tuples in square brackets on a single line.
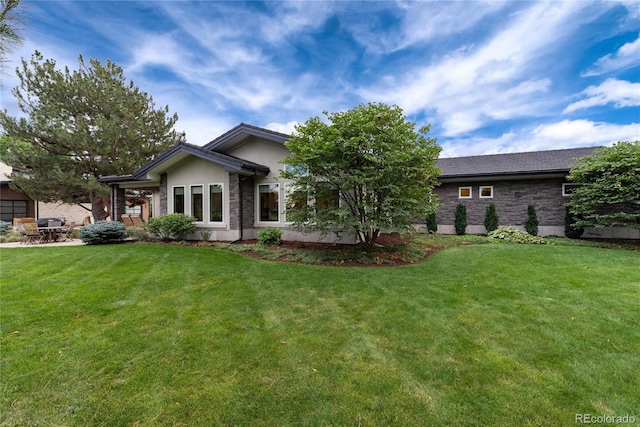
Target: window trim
[(224, 214), (470, 196), (258, 203), (173, 199), (191, 207), (481, 187)]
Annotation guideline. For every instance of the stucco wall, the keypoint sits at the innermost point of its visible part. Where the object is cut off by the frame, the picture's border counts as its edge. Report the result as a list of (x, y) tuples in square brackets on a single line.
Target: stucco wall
[(67, 211)]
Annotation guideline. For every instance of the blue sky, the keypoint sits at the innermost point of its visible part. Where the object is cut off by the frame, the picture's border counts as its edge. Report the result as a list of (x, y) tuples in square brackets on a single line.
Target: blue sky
[(489, 76)]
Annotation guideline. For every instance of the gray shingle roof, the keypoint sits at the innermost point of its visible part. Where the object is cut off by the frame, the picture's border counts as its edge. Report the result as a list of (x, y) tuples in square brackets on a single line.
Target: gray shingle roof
[(528, 163)]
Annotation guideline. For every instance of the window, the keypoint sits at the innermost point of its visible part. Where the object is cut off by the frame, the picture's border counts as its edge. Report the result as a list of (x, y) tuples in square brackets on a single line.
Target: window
[(296, 200), (178, 199), (215, 202), (568, 189), (464, 192), (486, 192), (269, 208), (197, 202), (10, 209), (326, 197)]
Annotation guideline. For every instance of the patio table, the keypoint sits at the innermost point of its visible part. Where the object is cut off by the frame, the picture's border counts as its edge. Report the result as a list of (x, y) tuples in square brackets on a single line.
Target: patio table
[(52, 232)]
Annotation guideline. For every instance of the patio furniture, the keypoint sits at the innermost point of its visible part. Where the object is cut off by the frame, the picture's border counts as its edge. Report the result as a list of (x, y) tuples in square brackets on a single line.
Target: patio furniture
[(127, 221), (51, 229), (137, 221), (65, 233), (30, 233)]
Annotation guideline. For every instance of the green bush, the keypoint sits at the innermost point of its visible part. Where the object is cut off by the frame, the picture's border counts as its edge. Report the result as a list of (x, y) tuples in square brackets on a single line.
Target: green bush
[(491, 220), (5, 228), (270, 236), (103, 232), (569, 221), (138, 233), (531, 226), (432, 224), (171, 226), (460, 222), (513, 235)]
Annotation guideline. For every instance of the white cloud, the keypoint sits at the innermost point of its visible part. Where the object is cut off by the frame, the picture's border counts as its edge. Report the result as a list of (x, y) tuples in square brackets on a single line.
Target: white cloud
[(492, 81), (626, 57), (552, 136), (286, 128), (619, 93)]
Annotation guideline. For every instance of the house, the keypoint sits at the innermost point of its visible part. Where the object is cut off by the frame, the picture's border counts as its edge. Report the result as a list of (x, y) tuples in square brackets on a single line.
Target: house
[(13, 204), (232, 186), (512, 182)]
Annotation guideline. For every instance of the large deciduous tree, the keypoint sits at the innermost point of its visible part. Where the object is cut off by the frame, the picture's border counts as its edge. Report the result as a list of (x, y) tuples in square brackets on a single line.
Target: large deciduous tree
[(609, 194), (364, 172), (80, 125)]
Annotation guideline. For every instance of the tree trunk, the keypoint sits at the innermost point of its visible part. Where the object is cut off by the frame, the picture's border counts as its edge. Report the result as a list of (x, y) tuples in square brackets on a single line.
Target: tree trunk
[(98, 204)]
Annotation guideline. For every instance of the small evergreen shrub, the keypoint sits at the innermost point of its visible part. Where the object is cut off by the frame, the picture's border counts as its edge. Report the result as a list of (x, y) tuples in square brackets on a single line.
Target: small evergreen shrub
[(531, 226), (171, 226), (206, 235), (569, 221), (513, 235), (5, 228), (432, 225), (491, 220), (103, 232), (460, 222), (270, 236)]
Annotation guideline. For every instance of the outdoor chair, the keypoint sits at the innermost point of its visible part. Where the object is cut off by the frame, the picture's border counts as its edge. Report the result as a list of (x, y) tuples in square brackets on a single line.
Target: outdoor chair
[(30, 233), (137, 221), (127, 221), (65, 233)]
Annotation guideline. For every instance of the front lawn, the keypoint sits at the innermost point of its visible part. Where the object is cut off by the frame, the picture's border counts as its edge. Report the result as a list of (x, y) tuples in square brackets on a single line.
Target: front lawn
[(155, 335)]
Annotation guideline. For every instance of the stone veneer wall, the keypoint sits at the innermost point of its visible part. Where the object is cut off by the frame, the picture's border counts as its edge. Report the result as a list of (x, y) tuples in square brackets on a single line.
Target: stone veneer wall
[(511, 199), (248, 205), (163, 195)]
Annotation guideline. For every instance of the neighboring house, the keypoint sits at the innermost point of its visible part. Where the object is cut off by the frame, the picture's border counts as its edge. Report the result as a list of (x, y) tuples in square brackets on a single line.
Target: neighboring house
[(512, 182), (13, 204), (232, 185)]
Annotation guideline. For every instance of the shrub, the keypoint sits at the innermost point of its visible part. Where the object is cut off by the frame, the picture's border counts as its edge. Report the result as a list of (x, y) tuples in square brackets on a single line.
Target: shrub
[(460, 222), (569, 222), (513, 235), (432, 224), (138, 233), (491, 220), (206, 235), (103, 232), (531, 226), (5, 228), (270, 236), (171, 226)]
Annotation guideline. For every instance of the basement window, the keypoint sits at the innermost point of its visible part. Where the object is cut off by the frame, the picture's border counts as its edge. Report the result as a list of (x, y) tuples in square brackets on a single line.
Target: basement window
[(486, 192), (464, 192), (568, 189)]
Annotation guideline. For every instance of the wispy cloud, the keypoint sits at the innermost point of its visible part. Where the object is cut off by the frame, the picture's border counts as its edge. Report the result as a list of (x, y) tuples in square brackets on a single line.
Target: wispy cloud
[(618, 93), (626, 57)]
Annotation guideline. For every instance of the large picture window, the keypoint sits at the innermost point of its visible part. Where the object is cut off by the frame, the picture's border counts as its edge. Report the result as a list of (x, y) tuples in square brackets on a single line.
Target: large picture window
[(178, 200), (326, 197), (215, 202), (269, 203), (197, 202), (10, 209), (295, 200)]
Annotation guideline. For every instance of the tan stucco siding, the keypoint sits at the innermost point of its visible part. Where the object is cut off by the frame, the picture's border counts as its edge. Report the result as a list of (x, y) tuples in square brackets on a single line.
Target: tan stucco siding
[(196, 171), (266, 153)]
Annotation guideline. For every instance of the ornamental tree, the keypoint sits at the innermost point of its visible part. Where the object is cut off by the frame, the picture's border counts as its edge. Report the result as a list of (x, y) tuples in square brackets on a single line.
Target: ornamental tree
[(364, 172), (609, 194), (80, 125)]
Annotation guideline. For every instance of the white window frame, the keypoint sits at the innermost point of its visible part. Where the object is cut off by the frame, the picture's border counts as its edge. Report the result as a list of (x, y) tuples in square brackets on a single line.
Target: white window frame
[(570, 185), (279, 204), (224, 214), (173, 198), (460, 196), (190, 211), (481, 187)]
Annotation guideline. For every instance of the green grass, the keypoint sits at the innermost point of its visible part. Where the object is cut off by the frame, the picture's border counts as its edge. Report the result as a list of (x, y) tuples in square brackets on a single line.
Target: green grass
[(153, 335)]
